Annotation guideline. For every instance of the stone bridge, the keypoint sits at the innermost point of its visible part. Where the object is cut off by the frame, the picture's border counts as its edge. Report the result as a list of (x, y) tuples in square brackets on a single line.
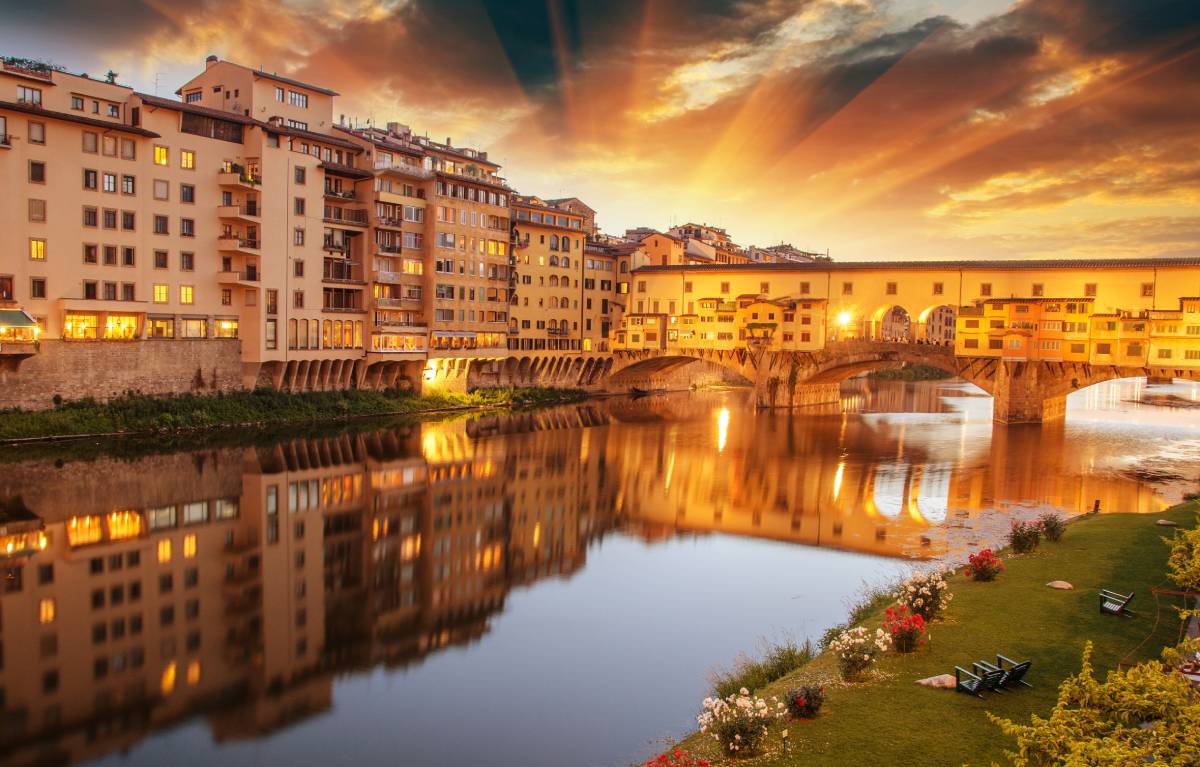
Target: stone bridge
[(1022, 391)]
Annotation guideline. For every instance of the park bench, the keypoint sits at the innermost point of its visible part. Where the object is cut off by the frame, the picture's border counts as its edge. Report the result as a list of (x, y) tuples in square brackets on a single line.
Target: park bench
[(1115, 604), (1014, 672), (976, 684)]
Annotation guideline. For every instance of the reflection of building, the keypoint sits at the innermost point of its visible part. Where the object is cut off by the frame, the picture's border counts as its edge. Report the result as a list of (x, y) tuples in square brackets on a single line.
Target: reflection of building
[(233, 584)]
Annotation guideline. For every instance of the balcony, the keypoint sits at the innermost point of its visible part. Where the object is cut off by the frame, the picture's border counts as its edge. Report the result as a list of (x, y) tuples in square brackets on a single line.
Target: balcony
[(248, 213), (388, 221), (247, 278), (386, 275), (238, 176), (350, 216), (340, 194), (399, 302), (401, 324), (6, 140), (404, 169), (387, 247), (333, 246), (232, 243), (349, 272)]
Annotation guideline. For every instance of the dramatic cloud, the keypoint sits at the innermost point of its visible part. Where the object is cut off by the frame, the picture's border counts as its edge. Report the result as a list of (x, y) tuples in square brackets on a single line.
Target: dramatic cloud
[(874, 128)]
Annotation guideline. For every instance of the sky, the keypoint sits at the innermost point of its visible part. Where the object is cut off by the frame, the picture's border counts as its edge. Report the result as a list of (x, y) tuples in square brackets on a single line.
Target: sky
[(872, 129)]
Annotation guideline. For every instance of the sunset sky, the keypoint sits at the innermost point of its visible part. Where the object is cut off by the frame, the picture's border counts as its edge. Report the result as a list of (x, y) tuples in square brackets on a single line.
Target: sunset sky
[(871, 128)]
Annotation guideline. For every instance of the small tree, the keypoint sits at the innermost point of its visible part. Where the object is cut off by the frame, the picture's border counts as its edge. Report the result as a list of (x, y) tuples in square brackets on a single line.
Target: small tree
[(1139, 715), (1183, 566)]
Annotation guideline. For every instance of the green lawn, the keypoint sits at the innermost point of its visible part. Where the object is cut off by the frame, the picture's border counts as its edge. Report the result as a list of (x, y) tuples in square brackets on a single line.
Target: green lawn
[(894, 721)]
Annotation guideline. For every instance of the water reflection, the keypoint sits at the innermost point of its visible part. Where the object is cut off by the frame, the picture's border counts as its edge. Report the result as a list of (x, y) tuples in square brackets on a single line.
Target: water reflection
[(234, 585)]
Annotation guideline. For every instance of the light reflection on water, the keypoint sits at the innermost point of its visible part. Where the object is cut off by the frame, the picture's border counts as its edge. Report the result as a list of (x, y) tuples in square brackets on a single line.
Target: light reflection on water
[(541, 589)]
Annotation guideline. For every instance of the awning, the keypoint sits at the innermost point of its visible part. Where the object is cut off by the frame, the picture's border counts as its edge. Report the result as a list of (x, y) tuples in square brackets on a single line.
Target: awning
[(16, 318)]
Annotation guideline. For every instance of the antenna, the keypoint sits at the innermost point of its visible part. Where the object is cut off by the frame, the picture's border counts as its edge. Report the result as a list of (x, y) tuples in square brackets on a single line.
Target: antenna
[(156, 76)]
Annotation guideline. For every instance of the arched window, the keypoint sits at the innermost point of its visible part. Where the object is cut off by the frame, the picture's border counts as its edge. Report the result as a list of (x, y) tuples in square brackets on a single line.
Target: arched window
[(553, 260), (565, 262), (327, 335), (291, 334), (553, 281), (565, 303), (554, 242), (566, 242), (552, 325), (337, 334), (553, 302), (624, 267)]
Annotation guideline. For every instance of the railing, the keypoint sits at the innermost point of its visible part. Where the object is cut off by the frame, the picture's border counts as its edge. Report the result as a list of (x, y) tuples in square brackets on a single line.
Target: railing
[(387, 275), (389, 221), (342, 271), (336, 247), (557, 331), (249, 209), (341, 194), (412, 170), (241, 242), (246, 275), (388, 247), (5, 139), (397, 302), (346, 215), (246, 176), (40, 73), (401, 324)]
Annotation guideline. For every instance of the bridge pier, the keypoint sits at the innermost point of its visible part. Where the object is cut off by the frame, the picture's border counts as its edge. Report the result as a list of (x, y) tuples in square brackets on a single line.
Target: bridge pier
[(771, 392), (1025, 392)]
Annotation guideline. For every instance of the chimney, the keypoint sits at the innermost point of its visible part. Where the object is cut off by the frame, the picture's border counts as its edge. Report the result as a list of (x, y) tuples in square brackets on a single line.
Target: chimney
[(448, 141), (211, 60)]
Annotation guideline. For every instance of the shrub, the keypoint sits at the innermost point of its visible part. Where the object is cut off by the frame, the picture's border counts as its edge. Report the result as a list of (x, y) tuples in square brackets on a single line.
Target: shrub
[(856, 650), (1183, 564), (1023, 537), (984, 566), (924, 594), (1192, 495), (738, 722), (804, 702), (777, 661), (1053, 526), (676, 758), (1104, 723), (905, 629)]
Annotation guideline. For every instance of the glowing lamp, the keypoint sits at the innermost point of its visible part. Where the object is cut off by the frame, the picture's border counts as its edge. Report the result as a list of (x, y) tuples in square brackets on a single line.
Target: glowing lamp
[(844, 318)]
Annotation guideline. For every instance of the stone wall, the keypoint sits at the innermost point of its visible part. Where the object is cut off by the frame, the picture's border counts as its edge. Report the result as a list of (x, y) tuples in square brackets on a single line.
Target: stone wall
[(107, 369)]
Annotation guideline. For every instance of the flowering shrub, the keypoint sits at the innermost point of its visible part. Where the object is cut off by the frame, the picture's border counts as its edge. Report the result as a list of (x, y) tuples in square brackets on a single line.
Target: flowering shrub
[(856, 650), (1052, 526), (1024, 536), (925, 594), (984, 566), (676, 758), (804, 702), (738, 722), (905, 629)]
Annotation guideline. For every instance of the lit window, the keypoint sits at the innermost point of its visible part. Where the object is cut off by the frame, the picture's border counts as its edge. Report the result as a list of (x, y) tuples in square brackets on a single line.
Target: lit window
[(160, 294), (37, 249), (168, 679), (185, 294), (46, 610), (189, 546), (227, 329), (193, 672), (187, 159), (164, 551), (160, 155)]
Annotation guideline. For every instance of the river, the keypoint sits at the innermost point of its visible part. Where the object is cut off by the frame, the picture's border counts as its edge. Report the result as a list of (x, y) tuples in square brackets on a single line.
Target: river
[(525, 590)]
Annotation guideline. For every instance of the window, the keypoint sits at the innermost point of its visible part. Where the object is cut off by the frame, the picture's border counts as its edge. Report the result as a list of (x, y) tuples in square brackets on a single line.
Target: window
[(27, 95), (160, 225), (187, 261), (939, 288), (129, 257), (37, 132), (110, 183), (128, 220), (46, 610), (279, 94), (891, 289), (37, 249), (77, 103), (300, 175), (185, 294), (160, 327), (37, 172), (298, 299), (298, 99), (300, 125), (187, 193), (110, 218), (128, 149), (194, 328), (37, 287), (298, 206), (161, 293), (187, 227), (847, 288), (227, 328), (1089, 289), (193, 96), (90, 253), (160, 259), (187, 159), (1147, 290), (91, 142), (985, 288), (160, 155), (805, 288), (298, 236), (298, 268), (128, 184), (114, 110), (37, 210), (1038, 290)]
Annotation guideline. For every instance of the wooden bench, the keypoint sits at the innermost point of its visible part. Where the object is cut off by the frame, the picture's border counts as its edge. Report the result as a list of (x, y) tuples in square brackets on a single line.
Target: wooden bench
[(1115, 604), (976, 684), (1014, 672)]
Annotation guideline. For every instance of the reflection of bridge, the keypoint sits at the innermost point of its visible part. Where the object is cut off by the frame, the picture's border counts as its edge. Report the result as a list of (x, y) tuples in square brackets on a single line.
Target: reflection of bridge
[(1022, 391)]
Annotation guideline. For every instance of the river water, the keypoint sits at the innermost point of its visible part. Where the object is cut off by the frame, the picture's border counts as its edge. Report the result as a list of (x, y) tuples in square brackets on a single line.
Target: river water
[(528, 590)]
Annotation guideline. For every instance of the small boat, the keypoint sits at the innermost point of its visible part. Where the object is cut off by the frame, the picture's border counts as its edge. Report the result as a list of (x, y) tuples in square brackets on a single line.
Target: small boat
[(637, 392)]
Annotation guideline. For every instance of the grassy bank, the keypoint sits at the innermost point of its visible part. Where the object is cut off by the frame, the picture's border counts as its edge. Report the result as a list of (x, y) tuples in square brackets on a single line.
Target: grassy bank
[(138, 414), (891, 720)]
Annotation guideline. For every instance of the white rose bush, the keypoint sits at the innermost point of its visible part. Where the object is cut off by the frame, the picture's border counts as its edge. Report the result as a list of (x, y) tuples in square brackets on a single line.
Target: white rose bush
[(857, 648), (739, 722), (925, 594)]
